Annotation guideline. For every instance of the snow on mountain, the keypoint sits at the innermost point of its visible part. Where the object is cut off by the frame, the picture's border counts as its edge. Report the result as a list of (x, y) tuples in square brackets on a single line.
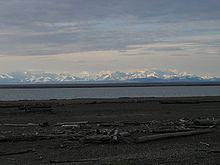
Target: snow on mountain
[(110, 75), (38, 77), (5, 76), (139, 75)]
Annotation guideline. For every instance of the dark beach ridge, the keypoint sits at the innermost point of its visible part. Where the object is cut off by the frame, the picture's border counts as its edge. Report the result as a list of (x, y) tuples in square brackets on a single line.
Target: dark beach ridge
[(124, 131)]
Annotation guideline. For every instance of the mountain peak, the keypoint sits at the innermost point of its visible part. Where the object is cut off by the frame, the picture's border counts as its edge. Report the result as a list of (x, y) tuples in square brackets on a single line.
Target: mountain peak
[(138, 75)]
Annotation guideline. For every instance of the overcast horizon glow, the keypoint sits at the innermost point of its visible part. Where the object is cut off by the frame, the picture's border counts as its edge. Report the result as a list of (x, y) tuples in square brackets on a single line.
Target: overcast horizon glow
[(95, 35)]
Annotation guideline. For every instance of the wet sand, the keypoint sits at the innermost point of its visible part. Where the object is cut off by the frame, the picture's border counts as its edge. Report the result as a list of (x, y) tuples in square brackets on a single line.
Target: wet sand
[(180, 150)]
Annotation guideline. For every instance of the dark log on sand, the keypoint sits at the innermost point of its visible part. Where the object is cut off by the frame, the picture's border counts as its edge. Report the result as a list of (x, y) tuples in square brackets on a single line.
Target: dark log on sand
[(73, 161), (210, 151), (133, 123), (96, 139), (18, 138), (201, 127), (124, 134), (180, 102), (9, 106), (144, 139), (38, 110), (170, 130), (27, 107), (17, 153), (205, 122), (215, 151), (109, 124)]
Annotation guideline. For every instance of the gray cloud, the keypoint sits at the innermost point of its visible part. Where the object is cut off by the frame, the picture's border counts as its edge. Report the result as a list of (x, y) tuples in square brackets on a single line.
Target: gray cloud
[(54, 27), (21, 11), (165, 49), (180, 55), (136, 54)]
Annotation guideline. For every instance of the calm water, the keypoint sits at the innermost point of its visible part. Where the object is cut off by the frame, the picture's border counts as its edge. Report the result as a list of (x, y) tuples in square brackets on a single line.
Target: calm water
[(113, 92)]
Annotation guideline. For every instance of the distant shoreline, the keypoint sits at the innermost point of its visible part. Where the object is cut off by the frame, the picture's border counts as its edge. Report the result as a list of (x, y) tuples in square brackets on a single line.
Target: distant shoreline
[(164, 100), (103, 85)]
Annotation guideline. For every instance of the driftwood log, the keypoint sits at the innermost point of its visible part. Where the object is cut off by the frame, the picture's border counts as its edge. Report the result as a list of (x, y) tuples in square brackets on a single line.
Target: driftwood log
[(205, 122), (133, 123), (18, 152), (109, 124), (124, 134), (96, 139), (37, 108), (9, 106), (214, 151), (16, 138), (180, 102), (201, 127), (171, 130), (70, 126), (20, 125), (73, 161), (72, 123), (148, 138), (26, 107)]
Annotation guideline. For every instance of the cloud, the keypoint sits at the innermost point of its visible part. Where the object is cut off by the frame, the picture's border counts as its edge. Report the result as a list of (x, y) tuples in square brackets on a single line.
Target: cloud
[(166, 49), (180, 55), (25, 11), (97, 25), (135, 54), (125, 33)]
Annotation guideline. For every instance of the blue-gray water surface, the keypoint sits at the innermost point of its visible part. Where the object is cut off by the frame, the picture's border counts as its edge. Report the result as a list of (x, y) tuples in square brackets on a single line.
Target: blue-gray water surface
[(113, 92)]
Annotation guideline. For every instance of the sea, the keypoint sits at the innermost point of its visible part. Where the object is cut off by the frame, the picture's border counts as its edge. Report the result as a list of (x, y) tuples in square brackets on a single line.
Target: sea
[(7, 94)]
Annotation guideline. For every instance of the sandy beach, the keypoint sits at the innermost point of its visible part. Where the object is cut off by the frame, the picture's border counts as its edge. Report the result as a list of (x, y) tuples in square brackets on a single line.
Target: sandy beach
[(102, 131)]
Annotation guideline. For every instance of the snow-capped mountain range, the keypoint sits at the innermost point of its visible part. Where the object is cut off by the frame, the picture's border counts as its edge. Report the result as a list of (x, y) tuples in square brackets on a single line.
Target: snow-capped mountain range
[(148, 75)]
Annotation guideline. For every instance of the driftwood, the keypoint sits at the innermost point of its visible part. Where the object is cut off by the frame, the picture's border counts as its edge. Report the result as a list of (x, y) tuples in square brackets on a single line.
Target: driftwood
[(180, 102), (73, 161), (17, 138), (96, 139), (201, 127), (124, 134), (210, 151), (133, 123), (27, 107), (170, 130), (18, 152), (20, 125), (144, 139), (70, 126), (39, 110), (203, 143), (205, 122), (72, 123), (109, 124), (45, 124), (214, 151), (9, 106)]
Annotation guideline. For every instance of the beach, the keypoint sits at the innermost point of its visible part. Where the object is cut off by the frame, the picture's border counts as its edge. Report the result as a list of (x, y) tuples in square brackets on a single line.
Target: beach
[(101, 131)]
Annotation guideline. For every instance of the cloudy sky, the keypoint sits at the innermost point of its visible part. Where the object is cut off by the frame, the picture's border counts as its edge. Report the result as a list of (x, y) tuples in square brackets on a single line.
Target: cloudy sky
[(94, 35)]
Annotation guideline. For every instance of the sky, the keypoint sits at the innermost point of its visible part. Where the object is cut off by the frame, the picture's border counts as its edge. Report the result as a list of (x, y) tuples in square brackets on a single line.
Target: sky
[(96, 35)]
